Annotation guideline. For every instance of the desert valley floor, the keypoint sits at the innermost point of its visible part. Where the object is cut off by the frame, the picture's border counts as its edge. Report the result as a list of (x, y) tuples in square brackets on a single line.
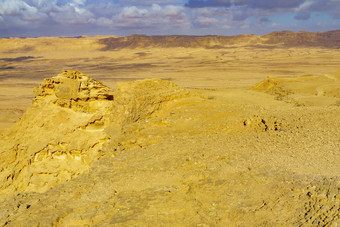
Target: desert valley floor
[(170, 130)]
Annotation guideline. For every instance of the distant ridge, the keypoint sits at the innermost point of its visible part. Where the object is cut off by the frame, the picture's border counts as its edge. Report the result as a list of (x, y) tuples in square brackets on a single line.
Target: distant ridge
[(329, 39)]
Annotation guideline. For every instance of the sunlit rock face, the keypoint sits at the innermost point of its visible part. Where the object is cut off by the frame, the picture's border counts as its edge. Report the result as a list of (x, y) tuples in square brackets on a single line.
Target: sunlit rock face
[(76, 91), (73, 121), (59, 136), (84, 154)]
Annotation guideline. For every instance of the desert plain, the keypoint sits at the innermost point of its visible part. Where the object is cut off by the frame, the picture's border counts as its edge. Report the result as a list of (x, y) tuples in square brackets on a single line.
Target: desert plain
[(170, 130)]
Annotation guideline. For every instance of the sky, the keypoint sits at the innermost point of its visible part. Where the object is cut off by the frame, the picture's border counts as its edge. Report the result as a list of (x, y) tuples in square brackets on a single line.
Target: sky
[(34, 18)]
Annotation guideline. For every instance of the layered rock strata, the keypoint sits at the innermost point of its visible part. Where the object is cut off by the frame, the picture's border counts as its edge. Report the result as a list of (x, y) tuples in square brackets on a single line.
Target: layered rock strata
[(73, 121)]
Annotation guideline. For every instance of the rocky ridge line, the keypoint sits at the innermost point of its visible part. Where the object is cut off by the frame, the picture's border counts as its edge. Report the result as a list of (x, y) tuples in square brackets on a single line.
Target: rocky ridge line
[(329, 39)]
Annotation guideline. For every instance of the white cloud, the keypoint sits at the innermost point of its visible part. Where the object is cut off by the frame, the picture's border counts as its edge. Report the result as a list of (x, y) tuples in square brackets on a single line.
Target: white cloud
[(275, 25), (148, 2), (44, 3), (24, 11), (304, 5), (157, 16), (103, 21), (133, 12), (212, 11), (206, 21), (20, 12), (154, 16), (245, 26), (79, 2), (15, 8), (69, 15), (156, 8), (171, 10)]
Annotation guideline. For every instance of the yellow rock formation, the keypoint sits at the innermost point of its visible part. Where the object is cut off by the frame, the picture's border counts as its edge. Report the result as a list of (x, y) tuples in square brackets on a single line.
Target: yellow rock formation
[(59, 136), (227, 147), (153, 153), (71, 120)]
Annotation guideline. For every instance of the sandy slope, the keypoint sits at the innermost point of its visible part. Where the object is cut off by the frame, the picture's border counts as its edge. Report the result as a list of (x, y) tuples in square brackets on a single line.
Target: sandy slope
[(239, 63), (236, 149), (206, 159)]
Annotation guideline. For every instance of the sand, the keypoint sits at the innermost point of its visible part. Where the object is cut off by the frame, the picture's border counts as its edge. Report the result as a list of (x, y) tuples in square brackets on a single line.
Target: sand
[(249, 137)]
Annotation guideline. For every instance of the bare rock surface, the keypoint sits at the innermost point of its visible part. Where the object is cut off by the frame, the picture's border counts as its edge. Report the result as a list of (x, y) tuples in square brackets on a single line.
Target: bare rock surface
[(59, 136), (74, 90), (153, 153), (69, 126)]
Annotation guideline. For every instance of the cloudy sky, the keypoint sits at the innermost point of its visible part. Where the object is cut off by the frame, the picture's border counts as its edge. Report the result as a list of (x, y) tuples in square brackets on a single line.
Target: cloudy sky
[(163, 17)]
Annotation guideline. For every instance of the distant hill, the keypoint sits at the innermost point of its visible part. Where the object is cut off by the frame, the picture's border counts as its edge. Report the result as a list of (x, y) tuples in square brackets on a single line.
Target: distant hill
[(329, 39)]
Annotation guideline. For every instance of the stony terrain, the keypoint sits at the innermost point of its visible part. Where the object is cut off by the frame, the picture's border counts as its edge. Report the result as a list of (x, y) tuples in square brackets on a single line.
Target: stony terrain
[(258, 151)]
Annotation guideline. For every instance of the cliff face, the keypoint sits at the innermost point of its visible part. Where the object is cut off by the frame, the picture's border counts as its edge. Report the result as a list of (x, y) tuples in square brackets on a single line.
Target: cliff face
[(330, 39)]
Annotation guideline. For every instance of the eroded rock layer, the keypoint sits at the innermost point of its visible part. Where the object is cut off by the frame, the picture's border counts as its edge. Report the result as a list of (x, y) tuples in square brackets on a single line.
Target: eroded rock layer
[(70, 124), (74, 90), (152, 152), (59, 136)]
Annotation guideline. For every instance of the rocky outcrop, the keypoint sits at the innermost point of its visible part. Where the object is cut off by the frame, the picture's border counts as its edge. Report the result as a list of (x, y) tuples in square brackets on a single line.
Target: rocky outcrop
[(76, 91), (263, 125), (59, 136), (73, 121)]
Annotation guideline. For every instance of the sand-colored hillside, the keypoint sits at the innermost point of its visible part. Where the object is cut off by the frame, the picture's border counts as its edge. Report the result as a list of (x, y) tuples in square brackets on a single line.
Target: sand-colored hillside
[(328, 39), (236, 135), (152, 153), (213, 62), (310, 90)]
